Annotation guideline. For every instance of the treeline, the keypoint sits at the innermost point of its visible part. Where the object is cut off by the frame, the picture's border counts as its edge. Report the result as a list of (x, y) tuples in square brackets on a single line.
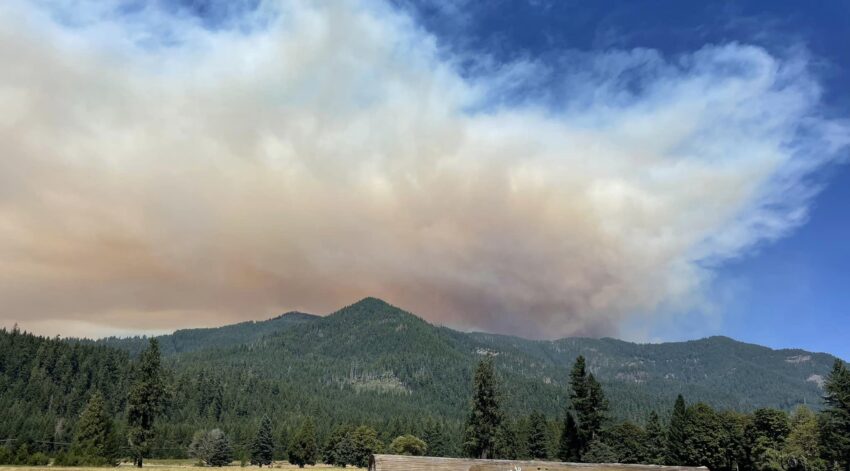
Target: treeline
[(694, 435), (85, 405)]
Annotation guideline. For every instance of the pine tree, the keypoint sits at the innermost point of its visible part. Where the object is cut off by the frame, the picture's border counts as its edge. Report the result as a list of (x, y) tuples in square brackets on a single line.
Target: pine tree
[(145, 402), (835, 432), (338, 450), (303, 449), (569, 446), (435, 439), (94, 442), (507, 443), (589, 403), (654, 439), (211, 448), (485, 418), (262, 450), (596, 411), (537, 440), (677, 434)]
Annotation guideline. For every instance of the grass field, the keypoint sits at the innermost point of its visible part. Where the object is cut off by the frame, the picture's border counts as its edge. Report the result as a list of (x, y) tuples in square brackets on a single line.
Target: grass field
[(171, 465)]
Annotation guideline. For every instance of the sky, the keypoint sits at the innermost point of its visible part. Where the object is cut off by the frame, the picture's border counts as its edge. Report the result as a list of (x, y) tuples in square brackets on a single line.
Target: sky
[(650, 171)]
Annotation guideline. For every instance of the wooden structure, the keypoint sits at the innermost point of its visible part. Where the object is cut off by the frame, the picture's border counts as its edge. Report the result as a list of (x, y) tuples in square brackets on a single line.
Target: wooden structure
[(427, 463)]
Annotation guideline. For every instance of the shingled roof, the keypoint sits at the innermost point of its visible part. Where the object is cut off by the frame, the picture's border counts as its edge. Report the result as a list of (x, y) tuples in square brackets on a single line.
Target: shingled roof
[(426, 463)]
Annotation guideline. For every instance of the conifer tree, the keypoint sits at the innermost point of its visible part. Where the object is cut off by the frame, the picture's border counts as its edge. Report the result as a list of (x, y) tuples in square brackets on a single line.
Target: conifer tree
[(485, 418), (507, 443), (94, 442), (654, 439), (303, 449), (677, 433), (262, 450), (589, 403), (835, 434), (145, 401), (211, 448), (338, 450), (537, 440), (569, 446), (435, 439)]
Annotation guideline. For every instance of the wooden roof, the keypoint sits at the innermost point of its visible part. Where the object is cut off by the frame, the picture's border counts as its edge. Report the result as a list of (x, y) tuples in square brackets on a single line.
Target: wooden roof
[(427, 463)]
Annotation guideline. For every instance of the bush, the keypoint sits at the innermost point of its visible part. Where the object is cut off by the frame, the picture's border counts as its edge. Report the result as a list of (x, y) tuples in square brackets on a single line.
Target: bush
[(408, 445), (37, 459), (6, 456)]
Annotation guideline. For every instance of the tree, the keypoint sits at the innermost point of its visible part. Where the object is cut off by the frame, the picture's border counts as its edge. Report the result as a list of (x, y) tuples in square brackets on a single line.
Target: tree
[(211, 448), (435, 438), (408, 445), (338, 450), (262, 450), (628, 441), (364, 442), (599, 452), (569, 446), (537, 441), (94, 442), (303, 449), (835, 422), (677, 433), (704, 437), (765, 437), (588, 402), (145, 401), (507, 443), (802, 447), (485, 418), (654, 440)]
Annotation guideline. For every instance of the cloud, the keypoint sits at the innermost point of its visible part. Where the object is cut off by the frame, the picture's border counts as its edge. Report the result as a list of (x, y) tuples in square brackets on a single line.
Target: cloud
[(159, 173)]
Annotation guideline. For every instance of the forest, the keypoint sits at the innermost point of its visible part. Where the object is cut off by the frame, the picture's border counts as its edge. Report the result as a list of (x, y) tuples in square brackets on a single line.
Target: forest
[(79, 403)]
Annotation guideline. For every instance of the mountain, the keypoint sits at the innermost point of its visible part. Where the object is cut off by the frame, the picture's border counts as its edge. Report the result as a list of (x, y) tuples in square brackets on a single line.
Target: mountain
[(375, 364), (386, 355), (189, 340)]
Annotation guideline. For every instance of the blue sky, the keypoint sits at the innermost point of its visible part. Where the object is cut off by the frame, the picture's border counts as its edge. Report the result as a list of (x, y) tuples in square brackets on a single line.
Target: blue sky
[(647, 170)]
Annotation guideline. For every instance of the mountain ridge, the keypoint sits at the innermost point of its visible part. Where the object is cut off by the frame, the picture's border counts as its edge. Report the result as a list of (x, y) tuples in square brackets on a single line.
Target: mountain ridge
[(374, 349)]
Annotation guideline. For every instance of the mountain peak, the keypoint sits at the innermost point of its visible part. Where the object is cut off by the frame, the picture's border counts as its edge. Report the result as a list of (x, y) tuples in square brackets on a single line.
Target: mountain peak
[(372, 303)]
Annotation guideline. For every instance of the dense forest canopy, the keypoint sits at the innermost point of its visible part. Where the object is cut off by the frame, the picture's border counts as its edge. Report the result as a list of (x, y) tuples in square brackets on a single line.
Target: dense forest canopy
[(371, 373)]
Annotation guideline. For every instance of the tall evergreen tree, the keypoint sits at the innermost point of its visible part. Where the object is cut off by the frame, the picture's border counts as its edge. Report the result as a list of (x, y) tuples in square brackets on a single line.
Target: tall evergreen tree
[(262, 450), (338, 449), (303, 449), (485, 418), (538, 443), (654, 439), (145, 401), (677, 433), (94, 442), (835, 434), (507, 442), (569, 447), (434, 436), (589, 403)]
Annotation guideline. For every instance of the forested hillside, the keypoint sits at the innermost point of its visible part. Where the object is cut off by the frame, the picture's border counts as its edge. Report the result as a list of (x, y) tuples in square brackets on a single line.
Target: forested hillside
[(374, 348), (374, 364)]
